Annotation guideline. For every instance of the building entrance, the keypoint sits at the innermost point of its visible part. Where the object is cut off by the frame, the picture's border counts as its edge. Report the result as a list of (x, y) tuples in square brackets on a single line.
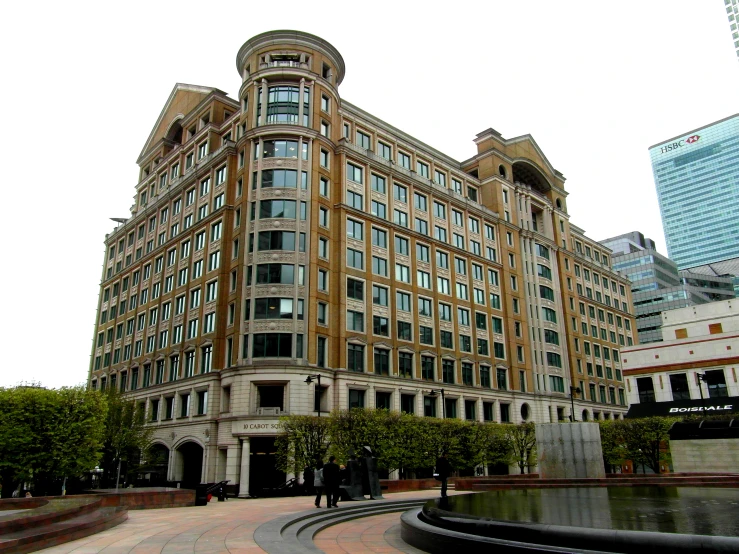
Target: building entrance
[(263, 473), (192, 464)]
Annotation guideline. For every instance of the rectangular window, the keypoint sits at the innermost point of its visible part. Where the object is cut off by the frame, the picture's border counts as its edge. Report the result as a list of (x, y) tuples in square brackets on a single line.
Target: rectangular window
[(378, 209), (400, 193), (404, 330), (355, 321), (447, 371), (355, 362), (363, 140), (405, 365), (400, 218), (402, 273), (384, 150), (379, 184), (354, 173), (446, 339), (356, 398), (379, 266), (382, 362)]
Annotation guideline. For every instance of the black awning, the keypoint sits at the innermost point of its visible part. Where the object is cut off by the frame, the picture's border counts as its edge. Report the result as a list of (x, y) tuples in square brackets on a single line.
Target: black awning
[(713, 406)]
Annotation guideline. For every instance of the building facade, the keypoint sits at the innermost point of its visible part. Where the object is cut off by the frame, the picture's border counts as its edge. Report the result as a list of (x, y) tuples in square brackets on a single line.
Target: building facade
[(697, 179), (693, 370), (288, 234), (732, 12), (658, 286)]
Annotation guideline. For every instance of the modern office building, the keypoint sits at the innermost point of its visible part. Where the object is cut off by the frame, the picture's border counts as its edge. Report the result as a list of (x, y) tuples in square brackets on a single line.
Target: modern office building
[(657, 285), (697, 178), (732, 11), (288, 234), (693, 370)]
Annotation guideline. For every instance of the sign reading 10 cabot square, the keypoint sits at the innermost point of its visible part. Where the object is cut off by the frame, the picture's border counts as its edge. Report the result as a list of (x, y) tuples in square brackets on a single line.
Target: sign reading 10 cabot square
[(256, 427)]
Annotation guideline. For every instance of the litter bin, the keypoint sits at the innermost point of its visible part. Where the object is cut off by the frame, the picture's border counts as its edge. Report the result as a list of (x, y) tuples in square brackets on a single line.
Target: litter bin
[(201, 495)]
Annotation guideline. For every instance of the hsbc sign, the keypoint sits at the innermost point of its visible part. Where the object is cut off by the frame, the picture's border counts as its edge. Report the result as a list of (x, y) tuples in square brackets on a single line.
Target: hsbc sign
[(679, 144)]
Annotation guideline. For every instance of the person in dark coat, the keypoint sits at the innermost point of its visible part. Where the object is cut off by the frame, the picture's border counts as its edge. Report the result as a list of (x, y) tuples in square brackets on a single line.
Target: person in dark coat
[(443, 468), (331, 482), (308, 480)]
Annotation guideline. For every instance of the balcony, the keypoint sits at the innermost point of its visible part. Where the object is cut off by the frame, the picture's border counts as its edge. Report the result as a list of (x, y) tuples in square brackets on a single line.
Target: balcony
[(284, 63), (270, 411)]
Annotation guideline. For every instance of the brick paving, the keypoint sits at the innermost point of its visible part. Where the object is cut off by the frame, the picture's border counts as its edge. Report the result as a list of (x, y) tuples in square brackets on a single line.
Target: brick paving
[(228, 527), (379, 533)]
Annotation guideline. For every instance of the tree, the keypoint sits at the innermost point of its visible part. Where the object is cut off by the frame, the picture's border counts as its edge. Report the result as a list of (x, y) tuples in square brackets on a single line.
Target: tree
[(74, 436), (407, 445), (126, 434), (304, 439), (612, 442), (446, 436), (644, 439), (353, 429), (47, 434), (522, 439), (486, 443)]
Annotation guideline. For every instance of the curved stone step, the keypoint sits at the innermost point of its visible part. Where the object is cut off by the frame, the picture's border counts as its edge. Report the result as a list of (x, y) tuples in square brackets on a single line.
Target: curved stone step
[(35, 538), (294, 533)]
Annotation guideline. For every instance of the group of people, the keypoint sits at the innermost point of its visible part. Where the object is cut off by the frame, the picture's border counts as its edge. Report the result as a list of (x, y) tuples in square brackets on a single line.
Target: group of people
[(327, 477)]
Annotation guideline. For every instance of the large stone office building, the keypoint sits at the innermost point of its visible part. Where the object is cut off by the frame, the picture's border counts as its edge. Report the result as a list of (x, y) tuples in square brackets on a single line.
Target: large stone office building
[(289, 234)]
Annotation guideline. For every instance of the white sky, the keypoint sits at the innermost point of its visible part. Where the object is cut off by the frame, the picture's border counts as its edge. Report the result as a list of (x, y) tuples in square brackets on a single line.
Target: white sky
[(595, 82)]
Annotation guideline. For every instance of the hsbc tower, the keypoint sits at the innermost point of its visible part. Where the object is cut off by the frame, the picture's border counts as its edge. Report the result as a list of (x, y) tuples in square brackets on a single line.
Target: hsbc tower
[(697, 179)]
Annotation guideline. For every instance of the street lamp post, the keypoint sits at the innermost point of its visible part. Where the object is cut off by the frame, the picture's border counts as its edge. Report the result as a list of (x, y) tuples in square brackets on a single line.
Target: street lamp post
[(434, 392), (702, 377), (573, 392), (308, 381)]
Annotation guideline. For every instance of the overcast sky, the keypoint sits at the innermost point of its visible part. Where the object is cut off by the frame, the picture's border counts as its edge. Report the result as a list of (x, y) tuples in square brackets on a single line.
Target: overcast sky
[(596, 83)]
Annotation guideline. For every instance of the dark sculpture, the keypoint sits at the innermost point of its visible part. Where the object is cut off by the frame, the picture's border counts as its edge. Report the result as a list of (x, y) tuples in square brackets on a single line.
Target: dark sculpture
[(352, 490), (370, 479)]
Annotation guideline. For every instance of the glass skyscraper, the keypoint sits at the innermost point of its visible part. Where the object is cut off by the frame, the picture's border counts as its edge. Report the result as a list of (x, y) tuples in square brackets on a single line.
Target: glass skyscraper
[(697, 178), (732, 10)]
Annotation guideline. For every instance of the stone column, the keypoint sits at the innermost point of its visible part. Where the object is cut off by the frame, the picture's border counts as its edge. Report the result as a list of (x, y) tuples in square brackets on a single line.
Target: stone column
[(263, 102), (244, 473), (300, 111), (233, 463), (170, 465)]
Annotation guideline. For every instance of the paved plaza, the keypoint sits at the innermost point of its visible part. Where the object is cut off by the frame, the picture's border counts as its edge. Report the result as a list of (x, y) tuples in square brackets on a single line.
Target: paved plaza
[(229, 527)]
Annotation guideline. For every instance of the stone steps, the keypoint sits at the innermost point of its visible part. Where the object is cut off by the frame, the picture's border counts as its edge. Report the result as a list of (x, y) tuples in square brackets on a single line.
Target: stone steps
[(53, 531), (294, 534)]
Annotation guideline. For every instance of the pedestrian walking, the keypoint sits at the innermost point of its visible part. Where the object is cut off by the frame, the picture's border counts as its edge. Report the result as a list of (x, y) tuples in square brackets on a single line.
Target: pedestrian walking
[(308, 480), (318, 482), (443, 468), (331, 482)]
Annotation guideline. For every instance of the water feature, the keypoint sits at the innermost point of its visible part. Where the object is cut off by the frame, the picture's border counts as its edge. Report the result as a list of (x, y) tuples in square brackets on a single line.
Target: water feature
[(688, 510)]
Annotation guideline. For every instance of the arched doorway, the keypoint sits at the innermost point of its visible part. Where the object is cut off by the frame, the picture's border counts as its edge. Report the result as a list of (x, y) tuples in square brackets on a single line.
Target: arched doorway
[(191, 458), (157, 462)]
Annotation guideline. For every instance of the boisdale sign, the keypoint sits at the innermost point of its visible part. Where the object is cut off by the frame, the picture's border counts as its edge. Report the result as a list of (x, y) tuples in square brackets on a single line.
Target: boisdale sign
[(694, 406), (724, 408), (679, 144)]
